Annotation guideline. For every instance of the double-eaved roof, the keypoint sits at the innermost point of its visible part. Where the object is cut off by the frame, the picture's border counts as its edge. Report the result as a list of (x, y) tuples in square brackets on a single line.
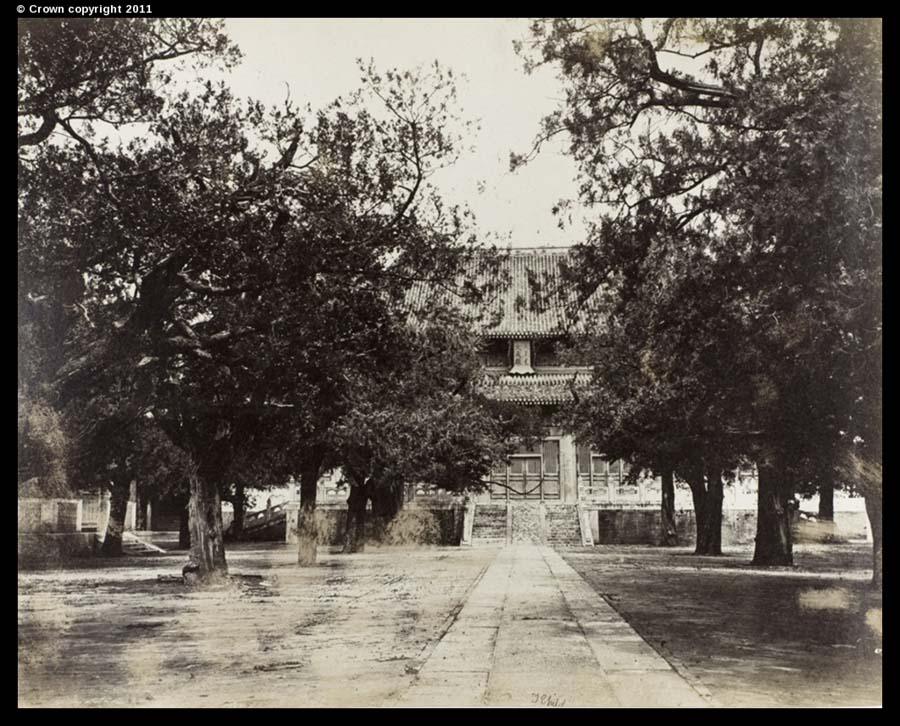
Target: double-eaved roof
[(534, 390), (517, 294), (524, 293)]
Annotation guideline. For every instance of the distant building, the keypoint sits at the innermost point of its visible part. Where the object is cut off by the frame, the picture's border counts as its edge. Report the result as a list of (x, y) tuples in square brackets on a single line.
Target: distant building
[(523, 322)]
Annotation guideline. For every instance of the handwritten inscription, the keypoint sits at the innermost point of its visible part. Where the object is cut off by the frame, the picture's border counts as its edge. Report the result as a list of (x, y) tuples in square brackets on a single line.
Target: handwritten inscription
[(547, 699)]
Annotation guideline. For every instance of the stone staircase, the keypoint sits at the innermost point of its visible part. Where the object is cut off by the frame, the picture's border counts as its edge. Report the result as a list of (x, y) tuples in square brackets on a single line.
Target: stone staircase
[(562, 525), (489, 526), (134, 545), (554, 524), (266, 525)]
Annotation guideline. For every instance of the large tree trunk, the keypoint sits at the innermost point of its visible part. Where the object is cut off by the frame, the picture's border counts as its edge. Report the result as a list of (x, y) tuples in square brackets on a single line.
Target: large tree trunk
[(713, 518), (207, 543), (826, 496), (387, 501), (774, 544), (668, 533), (698, 494), (873, 509), (307, 531), (118, 507), (355, 532)]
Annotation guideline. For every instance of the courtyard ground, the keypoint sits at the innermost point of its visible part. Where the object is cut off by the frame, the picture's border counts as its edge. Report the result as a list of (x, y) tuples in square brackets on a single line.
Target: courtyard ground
[(452, 626), (803, 636)]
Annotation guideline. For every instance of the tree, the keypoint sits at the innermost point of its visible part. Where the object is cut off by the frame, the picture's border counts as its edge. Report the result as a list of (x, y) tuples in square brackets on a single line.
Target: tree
[(42, 451), (420, 420), (81, 72), (749, 152), (394, 230), (650, 407), (282, 245), (109, 450), (79, 80)]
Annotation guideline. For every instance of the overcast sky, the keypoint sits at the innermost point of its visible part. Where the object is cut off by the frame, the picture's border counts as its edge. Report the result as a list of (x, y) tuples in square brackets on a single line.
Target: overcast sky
[(317, 59)]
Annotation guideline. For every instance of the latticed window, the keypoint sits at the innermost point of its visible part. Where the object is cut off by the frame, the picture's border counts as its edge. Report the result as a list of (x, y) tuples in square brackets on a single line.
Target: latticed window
[(495, 353), (545, 353), (531, 472), (599, 479), (550, 449)]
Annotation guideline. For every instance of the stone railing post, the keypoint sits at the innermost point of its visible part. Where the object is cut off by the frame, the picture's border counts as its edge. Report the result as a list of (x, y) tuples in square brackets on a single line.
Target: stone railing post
[(468, 522), (584, 524), (103, 519)]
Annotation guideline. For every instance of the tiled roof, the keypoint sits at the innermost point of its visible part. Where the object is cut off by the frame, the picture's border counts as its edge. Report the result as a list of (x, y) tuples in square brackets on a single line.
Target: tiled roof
[(527, 295), (535, 389)]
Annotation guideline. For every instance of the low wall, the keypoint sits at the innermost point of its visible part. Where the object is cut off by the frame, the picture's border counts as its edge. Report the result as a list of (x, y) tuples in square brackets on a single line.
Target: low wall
[(853, 525), (49, 515), (642, 526), (47, 548), (413, 525)]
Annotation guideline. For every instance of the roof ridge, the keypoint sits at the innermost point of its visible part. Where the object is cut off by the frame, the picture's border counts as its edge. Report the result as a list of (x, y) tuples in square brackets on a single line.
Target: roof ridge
[(550, 249)]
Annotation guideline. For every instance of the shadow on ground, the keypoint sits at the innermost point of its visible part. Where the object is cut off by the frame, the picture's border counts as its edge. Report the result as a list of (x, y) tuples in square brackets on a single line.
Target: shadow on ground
[(803, 636)]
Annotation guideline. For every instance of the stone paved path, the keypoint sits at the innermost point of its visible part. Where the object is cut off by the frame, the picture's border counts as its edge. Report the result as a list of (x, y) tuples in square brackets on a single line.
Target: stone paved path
[(532, 632)]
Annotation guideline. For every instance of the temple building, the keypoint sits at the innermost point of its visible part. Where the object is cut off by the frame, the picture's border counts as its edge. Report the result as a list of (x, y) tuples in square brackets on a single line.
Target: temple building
[(524, 323), (554, 483)]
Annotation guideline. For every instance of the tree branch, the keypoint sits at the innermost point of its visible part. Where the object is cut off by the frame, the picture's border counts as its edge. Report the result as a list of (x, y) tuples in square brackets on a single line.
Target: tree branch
[(49, 119)]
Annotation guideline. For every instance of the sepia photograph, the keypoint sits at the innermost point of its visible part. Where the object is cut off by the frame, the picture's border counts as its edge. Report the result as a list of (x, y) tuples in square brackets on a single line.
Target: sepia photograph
[(448, 362)]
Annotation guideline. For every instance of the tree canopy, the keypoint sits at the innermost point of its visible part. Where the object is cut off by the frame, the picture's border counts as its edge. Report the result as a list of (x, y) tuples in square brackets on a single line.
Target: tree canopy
[(232, 272), (734, 170)]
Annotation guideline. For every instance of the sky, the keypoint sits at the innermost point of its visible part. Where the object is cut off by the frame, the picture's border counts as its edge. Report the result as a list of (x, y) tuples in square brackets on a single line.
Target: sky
[(316, 59)]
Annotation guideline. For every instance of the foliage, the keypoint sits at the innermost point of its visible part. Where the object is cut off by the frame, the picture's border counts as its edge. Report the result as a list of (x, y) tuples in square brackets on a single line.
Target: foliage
[(42, 451), (421, 419), (734, 166), (86, 71), (240, 267)]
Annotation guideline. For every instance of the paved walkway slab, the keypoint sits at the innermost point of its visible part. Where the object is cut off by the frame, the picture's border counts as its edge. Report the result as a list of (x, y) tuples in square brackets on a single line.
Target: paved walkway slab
[(532, 632)]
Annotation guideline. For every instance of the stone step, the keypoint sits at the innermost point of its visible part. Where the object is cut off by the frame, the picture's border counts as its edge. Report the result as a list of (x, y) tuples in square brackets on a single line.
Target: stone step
[(563, 527), (132, 545), (489, 527)]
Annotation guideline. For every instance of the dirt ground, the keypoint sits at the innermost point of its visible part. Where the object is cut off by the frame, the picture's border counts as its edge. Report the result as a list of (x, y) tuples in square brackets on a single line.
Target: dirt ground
[(803, 636), (354, 630), (350, 631)]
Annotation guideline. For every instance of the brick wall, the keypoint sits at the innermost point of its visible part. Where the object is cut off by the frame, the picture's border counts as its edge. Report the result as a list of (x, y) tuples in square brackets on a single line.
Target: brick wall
[(412, 525), (51, 548), (641, 526), (49, 515)]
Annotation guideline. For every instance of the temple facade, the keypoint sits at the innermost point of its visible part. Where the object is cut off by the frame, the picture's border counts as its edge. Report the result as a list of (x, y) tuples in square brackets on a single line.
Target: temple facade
[(524, 322)]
